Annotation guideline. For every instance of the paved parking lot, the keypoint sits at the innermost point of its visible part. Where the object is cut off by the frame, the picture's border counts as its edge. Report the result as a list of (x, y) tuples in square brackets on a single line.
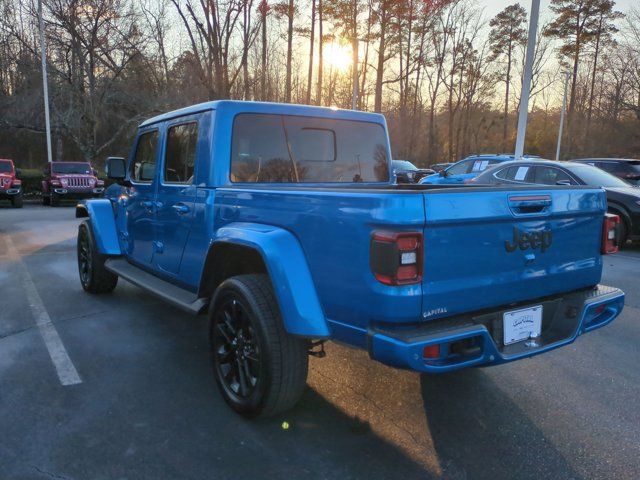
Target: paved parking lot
[(119, 386)]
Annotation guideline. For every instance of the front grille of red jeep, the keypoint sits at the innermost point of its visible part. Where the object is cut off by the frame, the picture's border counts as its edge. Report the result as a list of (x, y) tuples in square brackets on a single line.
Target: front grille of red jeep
[(78, 182)]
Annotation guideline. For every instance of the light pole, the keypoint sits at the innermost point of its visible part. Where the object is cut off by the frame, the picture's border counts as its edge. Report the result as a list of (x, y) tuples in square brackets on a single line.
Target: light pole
[(45, 89), (567, 76), (526, 81)]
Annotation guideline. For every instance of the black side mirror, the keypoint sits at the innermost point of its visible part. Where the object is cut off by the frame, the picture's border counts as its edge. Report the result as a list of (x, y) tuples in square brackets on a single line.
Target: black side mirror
[(115, 168), (18, 172), (443, 173)]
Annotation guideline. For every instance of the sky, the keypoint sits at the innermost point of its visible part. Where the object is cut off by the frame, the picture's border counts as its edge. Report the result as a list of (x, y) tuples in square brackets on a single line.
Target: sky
[(494, 6)]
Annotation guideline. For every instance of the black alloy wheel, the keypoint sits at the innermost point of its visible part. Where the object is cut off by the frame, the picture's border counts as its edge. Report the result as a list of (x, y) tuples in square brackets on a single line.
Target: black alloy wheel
[(84, 258), (236, 350), (260, 369)]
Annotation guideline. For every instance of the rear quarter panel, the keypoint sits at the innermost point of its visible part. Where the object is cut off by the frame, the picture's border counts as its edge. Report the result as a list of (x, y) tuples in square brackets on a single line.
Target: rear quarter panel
[(334, 229)]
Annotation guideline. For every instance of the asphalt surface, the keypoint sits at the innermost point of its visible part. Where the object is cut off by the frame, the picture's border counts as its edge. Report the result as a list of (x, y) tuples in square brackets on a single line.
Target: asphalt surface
[(147, 406)]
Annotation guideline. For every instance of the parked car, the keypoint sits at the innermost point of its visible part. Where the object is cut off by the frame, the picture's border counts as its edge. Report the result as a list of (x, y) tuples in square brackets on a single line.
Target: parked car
[(627, 169), (69, 180), (407, 172), (623, 199), (284, 225), (466, 169), (438, 167), (10, 184)]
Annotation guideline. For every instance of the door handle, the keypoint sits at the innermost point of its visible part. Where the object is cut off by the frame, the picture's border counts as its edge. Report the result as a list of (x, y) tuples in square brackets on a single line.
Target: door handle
[(181, 208), (529, 204)]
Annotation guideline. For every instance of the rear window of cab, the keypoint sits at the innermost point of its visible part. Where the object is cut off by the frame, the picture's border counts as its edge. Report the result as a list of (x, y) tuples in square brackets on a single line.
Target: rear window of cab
[(268, 148)]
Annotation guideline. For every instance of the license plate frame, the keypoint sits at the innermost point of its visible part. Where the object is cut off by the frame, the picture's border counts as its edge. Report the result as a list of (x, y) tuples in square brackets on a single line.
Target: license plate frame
[(521, 324)]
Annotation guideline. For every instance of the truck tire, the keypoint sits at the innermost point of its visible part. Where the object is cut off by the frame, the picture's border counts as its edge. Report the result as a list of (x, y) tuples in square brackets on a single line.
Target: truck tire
[(260, 369), (16, 201), (46, 200), (54, 200), (94, 277)]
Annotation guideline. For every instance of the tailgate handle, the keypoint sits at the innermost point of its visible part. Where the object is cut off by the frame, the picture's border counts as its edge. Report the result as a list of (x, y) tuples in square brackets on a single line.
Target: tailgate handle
[(529, 204)]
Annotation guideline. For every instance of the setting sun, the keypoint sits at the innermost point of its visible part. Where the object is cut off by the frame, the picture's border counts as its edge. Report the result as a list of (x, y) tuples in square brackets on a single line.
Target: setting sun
[(338, 56)]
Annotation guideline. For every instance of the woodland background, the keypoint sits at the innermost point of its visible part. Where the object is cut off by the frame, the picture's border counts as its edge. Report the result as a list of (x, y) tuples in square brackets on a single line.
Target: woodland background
[(447, 78)]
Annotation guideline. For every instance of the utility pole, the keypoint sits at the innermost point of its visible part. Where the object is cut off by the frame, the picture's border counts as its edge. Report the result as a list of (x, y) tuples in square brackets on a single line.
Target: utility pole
[(45, 89), (567, 76), (526, 81)]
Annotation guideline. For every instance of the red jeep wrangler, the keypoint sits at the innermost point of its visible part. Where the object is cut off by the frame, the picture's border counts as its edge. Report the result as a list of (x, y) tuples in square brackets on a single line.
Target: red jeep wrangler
[(10, 185), (69, 180)]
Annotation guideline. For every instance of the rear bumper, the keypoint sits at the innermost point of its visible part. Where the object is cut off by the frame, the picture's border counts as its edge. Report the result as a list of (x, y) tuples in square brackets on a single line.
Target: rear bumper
[(476, 339)]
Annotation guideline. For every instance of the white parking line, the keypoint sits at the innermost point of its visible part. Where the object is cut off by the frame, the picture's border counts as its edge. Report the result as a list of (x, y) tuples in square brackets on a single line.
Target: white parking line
[(65, 369)]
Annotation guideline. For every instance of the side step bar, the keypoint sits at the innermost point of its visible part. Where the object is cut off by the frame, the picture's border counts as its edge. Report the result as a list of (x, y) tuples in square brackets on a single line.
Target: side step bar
[(169, 292)]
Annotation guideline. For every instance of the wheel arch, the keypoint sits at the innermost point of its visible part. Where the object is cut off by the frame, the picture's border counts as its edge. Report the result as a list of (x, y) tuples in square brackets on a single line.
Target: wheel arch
[(103, 225), (252, 248), (621, 210)]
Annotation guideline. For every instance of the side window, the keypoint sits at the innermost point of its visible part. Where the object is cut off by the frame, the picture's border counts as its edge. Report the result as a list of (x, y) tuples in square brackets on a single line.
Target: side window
[(514, 173), (607, 166), (481, 165), (460, 168), (180, 154), (259, 151), (506, 173), (143, 166), (550, 176)]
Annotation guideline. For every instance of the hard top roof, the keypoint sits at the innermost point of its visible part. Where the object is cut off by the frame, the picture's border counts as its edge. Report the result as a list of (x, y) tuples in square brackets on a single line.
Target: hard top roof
[(238, 106)]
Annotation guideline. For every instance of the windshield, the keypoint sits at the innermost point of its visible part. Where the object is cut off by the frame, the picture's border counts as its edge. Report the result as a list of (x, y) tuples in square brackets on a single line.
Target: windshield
[(596, 177), (403, 165), (64, 168), (5, 167)]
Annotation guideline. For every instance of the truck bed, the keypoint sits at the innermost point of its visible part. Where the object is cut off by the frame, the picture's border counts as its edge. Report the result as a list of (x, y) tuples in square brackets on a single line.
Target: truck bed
[(466, 266)]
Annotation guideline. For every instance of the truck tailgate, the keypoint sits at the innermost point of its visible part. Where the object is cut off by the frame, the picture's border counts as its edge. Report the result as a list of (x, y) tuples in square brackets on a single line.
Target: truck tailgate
[(491, 247)]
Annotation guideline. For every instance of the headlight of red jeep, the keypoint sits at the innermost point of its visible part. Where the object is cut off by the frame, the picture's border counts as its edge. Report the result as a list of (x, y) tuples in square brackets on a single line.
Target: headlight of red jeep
[(6, 181)]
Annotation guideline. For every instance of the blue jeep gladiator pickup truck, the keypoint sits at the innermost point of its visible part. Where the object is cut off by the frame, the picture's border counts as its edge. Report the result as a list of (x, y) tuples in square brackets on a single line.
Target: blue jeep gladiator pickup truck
[(282, 223)]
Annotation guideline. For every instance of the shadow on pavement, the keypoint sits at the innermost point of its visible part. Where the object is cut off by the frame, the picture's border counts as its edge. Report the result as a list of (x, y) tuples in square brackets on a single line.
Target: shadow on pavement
[(479, 432)]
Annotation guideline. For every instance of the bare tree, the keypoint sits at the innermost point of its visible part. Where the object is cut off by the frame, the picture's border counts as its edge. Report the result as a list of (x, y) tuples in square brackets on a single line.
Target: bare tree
[(507, 32)]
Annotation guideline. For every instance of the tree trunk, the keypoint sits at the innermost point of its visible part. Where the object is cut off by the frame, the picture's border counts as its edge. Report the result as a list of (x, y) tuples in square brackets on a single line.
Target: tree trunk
[(263, 76), (593, 78), (365, 62), (507, 82), (311, 41), (381, 53), (287, 87), (320, 53)]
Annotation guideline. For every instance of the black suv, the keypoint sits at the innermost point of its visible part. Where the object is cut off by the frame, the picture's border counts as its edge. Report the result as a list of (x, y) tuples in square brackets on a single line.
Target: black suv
[(625, 168)]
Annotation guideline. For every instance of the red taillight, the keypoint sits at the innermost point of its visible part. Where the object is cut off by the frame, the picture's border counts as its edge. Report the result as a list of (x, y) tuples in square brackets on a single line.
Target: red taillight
[(599, 309), (431, 351), (610, 234), (396, 257)]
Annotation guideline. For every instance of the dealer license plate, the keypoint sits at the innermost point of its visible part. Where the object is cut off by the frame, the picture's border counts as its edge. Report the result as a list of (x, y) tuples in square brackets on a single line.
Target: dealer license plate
[(522, 324)]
